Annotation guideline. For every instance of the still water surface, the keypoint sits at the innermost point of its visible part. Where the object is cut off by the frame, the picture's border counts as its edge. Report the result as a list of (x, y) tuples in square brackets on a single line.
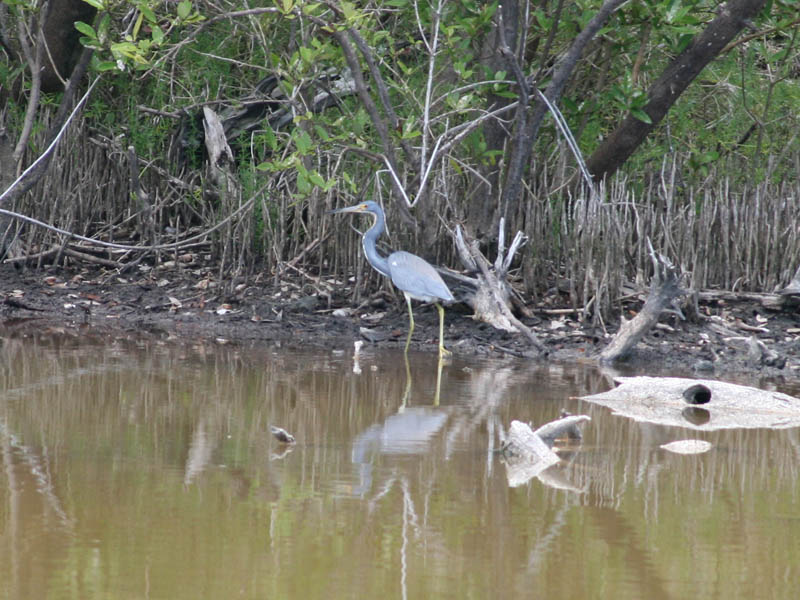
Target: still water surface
[(149, 472)]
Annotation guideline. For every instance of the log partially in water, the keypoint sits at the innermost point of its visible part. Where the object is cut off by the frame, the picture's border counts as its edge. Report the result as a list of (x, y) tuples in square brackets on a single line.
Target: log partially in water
[(565, 427), (529, 453), (699, 404)]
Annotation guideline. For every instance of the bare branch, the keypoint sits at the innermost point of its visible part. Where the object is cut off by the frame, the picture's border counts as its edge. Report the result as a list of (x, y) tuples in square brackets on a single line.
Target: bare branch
[(34, 66), (566, 65), (383, 90), (426, 112)]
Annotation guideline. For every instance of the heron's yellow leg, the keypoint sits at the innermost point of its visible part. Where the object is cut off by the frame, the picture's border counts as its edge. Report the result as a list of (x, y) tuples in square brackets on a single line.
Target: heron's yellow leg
[(410, 322), (442, 350)]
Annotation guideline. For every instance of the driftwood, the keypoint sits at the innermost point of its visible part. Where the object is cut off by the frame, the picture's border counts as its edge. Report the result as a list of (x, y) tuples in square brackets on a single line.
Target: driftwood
[(491, 295), (565, 427), (699, 404), (793, 289), (266, 107), (787, 298), (528, 453), (664, 288)]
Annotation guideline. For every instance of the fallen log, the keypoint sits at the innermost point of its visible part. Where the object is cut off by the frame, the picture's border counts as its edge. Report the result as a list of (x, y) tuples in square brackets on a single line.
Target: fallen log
[(565, 427), (528, 453), (267, 106), (699, 404), (664, 288)]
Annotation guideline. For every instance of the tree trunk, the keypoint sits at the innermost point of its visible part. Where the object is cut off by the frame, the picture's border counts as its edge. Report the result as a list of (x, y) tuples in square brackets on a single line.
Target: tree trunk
[(482, 199), (621, 144), (61, 39), (519, 157)]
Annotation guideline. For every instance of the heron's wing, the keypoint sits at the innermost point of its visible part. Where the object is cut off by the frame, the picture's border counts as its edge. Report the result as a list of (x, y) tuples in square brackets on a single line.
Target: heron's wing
[(417, 278)]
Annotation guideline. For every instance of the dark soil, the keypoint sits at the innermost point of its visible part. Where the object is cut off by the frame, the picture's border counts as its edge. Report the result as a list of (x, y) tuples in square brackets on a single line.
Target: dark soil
[(188, 305)]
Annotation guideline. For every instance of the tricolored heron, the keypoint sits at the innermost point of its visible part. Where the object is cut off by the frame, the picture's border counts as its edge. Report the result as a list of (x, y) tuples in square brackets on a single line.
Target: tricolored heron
[(414, 276)]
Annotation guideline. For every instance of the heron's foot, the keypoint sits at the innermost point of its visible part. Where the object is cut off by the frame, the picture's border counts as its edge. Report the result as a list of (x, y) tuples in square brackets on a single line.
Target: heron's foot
[(444, 352)]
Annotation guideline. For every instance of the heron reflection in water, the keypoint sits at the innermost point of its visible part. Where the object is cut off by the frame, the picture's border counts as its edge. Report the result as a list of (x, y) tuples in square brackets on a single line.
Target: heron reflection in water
[(414, 276)]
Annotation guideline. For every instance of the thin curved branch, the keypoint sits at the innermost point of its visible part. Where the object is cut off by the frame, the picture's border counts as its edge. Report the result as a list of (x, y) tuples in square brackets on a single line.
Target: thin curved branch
[(34, 60), (44, 155)]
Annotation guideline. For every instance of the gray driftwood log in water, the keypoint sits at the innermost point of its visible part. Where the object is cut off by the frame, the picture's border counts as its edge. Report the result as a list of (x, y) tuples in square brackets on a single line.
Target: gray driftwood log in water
[(699, 403), (529, 453)]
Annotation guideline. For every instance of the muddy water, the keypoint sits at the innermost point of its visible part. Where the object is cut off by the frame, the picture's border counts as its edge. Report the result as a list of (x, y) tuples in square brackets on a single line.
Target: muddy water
[(149, 472)]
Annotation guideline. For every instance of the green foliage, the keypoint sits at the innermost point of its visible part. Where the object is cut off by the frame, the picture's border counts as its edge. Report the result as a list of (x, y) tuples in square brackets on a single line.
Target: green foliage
[(439, 76), (133, 47)]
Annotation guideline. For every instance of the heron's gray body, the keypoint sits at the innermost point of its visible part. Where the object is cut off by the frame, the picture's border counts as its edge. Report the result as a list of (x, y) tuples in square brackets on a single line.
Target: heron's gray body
[(412, 275), (417, 278)]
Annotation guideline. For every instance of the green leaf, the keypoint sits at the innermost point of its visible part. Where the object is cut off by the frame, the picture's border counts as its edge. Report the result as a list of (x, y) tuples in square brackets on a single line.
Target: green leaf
[(269, 136), (138, 25), (641, 115), (103, 27), (348, 10), (86, 29), (307, 54), (158, 34), (184, 8), (672, 10), (98, 4), (106, 65), (303, 184), (322, 133), (542, 19), (148, 14), (303, 142), (316, 179), (273, 166), (348, 180), (684, 42), (127, 48), (569, 104)]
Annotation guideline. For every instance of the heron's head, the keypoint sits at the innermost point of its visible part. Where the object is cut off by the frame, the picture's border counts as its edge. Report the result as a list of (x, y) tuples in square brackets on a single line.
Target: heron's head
[(362, 207)]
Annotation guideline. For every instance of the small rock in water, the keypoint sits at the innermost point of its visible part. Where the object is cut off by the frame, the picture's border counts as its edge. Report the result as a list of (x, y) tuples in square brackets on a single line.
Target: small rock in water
[(282, 435), (703, 365), (687, 446)]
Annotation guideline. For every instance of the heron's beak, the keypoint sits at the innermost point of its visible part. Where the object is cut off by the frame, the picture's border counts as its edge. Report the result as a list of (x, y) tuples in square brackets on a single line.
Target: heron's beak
[(347, 209)]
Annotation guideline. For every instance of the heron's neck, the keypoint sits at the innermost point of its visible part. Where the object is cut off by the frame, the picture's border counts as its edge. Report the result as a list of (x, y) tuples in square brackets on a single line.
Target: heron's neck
[(376, 260)]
